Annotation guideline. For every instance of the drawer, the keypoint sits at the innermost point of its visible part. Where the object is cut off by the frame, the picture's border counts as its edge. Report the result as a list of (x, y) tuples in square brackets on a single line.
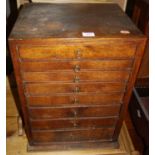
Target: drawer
[(32, 66), (49, 124), (76, 52), (71, 112), (51, 88), (108, 76), (76, 135), (75, 99)]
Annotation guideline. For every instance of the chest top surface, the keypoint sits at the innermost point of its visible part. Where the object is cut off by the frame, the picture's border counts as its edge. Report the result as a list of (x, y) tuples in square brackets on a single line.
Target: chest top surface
[(38, 20)]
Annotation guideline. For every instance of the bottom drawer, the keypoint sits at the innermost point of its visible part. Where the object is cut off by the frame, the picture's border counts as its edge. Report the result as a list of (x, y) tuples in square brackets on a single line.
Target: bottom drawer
[(73, 135)]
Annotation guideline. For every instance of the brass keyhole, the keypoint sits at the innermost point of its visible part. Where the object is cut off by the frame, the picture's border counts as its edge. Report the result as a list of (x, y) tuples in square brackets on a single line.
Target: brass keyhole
[(76, 79), (76, 68)]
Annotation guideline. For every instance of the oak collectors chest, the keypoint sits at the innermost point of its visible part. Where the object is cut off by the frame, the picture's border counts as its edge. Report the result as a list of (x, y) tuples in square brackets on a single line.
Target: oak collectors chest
[(75, 67)]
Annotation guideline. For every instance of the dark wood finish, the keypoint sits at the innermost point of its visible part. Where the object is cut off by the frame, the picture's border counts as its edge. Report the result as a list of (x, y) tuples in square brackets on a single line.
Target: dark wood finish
[(74, 90), (98, 87), (140, 17), (75, 99), (138, 58), (55, 124), (21, 92), (35, 21), (73, 135), (65, 65), (107, 76), (33, 53), (72, 145), (58, 112)]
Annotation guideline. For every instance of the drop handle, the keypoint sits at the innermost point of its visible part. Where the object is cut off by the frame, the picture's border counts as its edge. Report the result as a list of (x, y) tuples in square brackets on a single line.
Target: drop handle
[(76, 101), (76, 79), (77, 90), (75, 113), (78, 53), (76, 68), (75, 124)]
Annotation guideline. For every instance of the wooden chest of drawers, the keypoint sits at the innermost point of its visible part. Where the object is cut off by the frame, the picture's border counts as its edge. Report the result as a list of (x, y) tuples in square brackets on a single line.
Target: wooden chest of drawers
[(75, 66)]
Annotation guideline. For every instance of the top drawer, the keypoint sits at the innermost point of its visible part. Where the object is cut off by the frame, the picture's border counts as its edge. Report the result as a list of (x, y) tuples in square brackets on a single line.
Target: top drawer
[(32, 53)]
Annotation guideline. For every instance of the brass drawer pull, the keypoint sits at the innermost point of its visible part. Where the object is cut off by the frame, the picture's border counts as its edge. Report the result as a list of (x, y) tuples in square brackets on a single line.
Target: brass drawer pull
[(76, 101), (76, 68), (78, 54), (75, 113), (76, 79), (75, 124), (77, 90)]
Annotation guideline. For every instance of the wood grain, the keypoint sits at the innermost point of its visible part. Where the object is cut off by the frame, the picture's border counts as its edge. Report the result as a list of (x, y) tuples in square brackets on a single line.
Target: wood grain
[(107, 76), (36, 25), (49, 89), (55, 124), (100, 111), (76, 52), (71, 136), (65, 65), (75, 99)]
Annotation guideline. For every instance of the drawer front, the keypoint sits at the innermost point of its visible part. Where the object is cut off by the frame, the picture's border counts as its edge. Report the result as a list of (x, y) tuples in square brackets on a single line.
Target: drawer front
[(76, 52), (70, 136), (108, 76), (100, 111), (75, 65), (46, 124), (75, 99), (49, 88)]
